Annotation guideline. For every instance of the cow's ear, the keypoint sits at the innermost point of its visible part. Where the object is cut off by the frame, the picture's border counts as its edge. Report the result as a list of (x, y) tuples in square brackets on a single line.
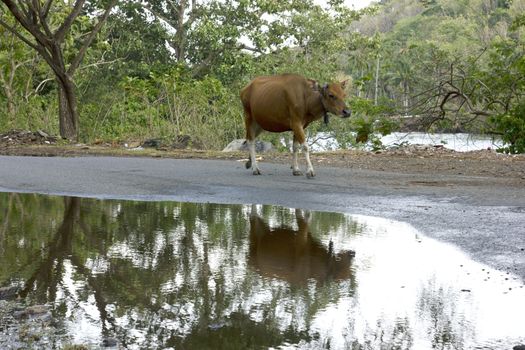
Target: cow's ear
[(313, 84), (344, 83)]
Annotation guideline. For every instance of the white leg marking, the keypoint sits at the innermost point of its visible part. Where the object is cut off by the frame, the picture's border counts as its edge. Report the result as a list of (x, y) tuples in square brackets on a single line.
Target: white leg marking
[(295, 166), (255, 168), (310, 169)]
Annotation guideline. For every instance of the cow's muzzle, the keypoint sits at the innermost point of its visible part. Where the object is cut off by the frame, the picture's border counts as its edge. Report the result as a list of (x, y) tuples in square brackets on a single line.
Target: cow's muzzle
[(347, 113)]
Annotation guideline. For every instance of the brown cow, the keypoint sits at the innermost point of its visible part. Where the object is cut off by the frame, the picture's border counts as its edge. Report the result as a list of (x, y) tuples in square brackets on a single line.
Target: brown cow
[(288, 102), (294, 255)]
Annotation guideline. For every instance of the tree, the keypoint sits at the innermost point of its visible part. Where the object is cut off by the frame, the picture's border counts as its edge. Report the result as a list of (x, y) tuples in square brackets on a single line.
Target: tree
[(46, 28), (12, 58), (208, 36)]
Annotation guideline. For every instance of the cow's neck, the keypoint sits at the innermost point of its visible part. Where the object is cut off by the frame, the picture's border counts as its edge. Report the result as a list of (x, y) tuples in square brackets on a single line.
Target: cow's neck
[(316, 108)]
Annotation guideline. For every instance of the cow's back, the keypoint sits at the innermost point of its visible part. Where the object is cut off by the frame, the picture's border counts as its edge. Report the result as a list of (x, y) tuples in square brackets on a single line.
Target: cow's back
[(268, 100)]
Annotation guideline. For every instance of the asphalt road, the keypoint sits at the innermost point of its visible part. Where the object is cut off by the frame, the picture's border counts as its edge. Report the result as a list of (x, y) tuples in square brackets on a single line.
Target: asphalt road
[(483, 216)]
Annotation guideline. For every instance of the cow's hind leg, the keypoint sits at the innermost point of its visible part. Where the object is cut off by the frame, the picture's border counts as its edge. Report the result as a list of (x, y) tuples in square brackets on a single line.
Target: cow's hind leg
[(248, 163), (299, 141), (252, 161), (295, 165), (252, 131)]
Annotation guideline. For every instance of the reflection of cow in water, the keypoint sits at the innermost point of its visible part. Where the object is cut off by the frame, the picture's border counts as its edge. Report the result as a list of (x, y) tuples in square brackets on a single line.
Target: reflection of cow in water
[(294, 255)]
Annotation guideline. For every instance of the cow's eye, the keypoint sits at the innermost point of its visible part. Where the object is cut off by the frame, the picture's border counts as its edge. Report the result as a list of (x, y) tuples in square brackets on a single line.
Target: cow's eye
[(331, 96)]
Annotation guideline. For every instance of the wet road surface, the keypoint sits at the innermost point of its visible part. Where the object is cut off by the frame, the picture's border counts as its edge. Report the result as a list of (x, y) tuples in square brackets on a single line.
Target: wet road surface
[(482, 216)]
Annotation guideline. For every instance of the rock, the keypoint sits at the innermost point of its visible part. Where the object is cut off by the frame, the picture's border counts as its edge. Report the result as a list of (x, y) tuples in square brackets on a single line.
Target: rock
[(40, 312), (7, 293), (181, 142), (218, 325), (19, 314), (236, 145), (75, 347), (42, 133), (418, 149), (240, 145), (109, 342), (37, 309), (152, 143)]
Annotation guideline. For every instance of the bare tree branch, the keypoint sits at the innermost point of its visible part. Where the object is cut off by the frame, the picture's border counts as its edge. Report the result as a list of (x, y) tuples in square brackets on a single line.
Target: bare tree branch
[(64, 28), (41, 17), (40, 49), (96, 64), (22, 16), (45, 10), (83, 49), (23, 9)]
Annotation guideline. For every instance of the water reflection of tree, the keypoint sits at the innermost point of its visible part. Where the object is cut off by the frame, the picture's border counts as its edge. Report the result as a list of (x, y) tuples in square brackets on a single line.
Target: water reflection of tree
[(176, 272), (49, 272), (23, 233), (395, 336), (437, 305)]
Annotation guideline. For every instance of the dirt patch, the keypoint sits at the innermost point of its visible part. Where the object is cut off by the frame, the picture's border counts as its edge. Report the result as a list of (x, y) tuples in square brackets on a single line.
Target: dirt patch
[(414, 159)]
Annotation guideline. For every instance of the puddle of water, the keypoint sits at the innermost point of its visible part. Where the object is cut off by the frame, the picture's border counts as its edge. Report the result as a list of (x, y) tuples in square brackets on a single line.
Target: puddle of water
[(182, 275)]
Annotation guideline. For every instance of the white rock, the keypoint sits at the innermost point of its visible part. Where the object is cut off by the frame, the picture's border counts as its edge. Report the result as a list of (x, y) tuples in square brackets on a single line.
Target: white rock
[(240, 145)]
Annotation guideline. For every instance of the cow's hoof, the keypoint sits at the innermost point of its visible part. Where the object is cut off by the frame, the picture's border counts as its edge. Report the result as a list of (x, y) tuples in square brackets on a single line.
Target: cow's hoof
[(310, 174), (256, 172), (297, 173), (248, 164)]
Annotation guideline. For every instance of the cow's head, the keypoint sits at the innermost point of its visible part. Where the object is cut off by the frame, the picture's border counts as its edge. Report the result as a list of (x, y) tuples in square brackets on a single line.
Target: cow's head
[(333, 98)]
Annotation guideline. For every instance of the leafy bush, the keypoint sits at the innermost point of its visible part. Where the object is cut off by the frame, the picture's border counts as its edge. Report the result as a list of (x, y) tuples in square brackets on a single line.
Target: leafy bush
[(512, 128), (37, 112), (166, 106)]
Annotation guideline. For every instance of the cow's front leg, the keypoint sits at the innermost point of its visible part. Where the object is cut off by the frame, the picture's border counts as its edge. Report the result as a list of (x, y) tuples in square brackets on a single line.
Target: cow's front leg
[(299, 141), (295, 166), (253, 160)]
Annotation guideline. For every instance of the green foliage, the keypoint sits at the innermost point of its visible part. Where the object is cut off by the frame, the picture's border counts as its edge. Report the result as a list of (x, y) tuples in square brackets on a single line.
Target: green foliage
[(369, 122), (512, 128), (456, 35), (505, 78), (166, 105), (152, 74), (518, 22), (21, 72)]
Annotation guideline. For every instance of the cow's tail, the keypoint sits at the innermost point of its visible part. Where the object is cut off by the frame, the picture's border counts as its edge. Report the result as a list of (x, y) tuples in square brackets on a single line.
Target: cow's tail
[(245, 92)]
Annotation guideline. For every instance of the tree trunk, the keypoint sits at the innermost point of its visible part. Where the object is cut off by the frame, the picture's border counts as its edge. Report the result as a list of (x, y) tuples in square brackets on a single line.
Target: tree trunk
[(377, 81), (406, 96), (67, 109), (9, 94), (180, 34), (11, 110)]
